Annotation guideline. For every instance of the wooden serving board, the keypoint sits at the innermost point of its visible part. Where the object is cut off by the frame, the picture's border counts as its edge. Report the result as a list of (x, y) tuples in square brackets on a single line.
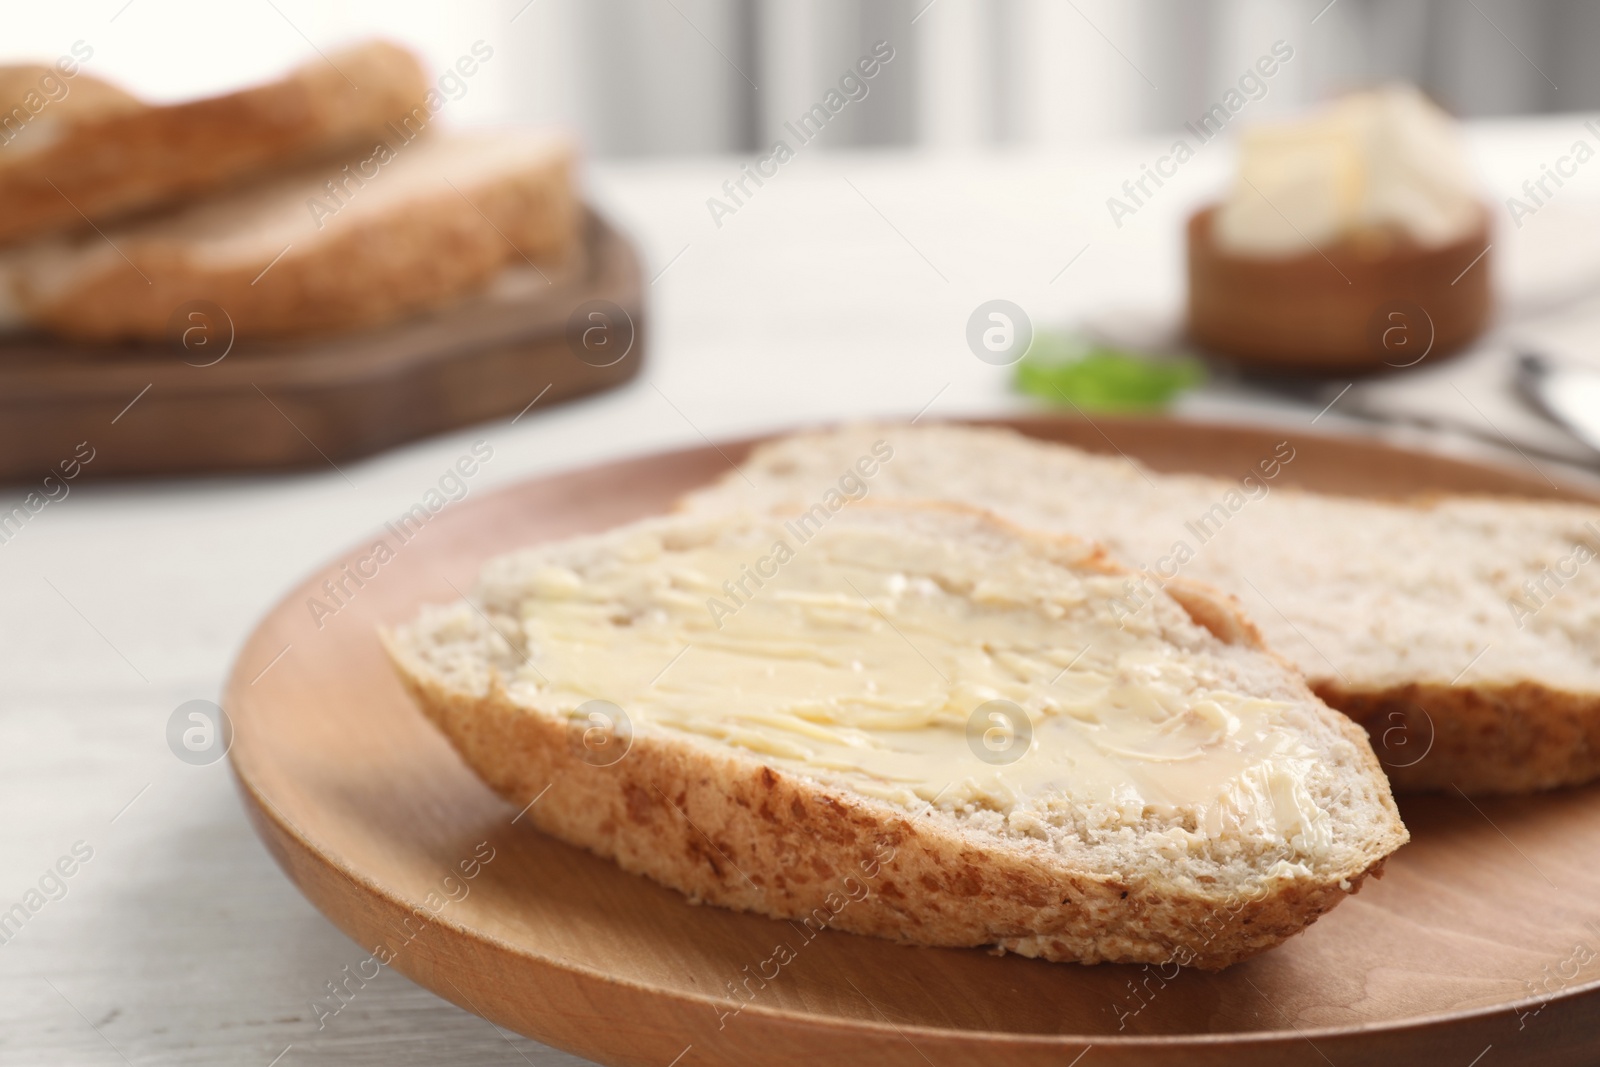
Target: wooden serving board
[(202, 404), (1482, 940)]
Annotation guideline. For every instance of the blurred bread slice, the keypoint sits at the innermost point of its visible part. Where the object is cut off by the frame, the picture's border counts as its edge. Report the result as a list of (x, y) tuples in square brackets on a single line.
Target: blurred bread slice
[(349, 242), (46, 99), (98, 152)]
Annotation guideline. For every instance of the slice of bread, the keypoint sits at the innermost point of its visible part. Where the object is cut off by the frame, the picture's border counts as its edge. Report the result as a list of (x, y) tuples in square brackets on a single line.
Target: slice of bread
[(80, 147), (1463, 633), (405, 226), (915, 721)]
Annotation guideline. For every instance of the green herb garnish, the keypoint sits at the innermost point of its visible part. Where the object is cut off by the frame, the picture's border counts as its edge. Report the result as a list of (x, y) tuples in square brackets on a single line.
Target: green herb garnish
[(1068, 370)]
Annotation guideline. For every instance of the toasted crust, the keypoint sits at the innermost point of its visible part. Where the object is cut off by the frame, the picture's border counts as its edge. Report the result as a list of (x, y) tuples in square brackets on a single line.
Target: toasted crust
[(725, 828), (423, 254), (112, 154)]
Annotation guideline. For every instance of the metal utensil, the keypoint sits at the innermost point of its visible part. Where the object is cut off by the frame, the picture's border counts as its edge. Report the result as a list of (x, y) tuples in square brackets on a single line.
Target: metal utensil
[(1567, 394)]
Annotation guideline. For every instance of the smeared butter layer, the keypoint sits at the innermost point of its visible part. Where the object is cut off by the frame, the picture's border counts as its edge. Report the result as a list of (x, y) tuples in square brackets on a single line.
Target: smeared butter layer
[(859, 654)]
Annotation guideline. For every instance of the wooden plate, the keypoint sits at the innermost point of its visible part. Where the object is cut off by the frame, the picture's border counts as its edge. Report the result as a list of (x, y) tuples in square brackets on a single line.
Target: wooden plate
[(200, 404), (1484, 932)]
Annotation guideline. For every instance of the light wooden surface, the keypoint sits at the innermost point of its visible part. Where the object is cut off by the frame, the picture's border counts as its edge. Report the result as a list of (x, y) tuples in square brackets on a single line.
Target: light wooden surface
[(384, 828), (181, 940)]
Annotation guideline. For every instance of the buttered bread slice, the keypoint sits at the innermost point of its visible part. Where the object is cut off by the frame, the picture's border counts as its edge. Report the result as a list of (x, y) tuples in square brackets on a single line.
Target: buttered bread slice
[(912, 721), (1462, 632)]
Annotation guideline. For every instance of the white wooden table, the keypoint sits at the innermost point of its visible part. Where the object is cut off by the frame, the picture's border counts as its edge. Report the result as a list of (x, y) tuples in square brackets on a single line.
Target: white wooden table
[(840, 289)]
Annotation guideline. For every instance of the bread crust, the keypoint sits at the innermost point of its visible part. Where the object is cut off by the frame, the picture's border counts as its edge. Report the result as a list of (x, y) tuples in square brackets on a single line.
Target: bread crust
[(731, 831), (108, 160), (374, 270), (725, 828), (1481, 739)]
